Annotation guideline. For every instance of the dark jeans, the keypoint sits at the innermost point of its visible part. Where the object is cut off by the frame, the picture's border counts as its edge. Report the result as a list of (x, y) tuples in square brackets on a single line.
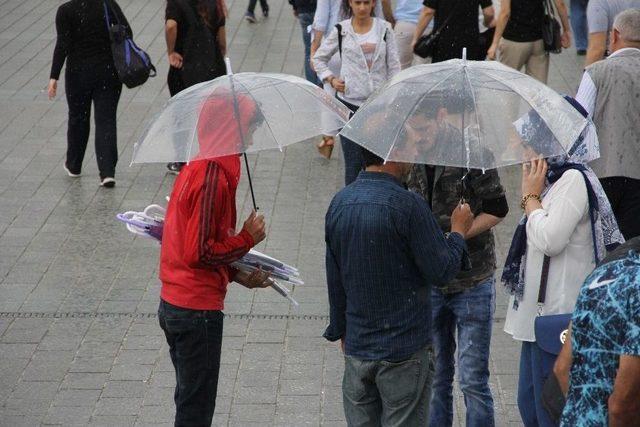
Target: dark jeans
[(530, 383), (578, 10), (252, 5), (195, 343), (471, 313), (305, 20), (352, 152), (624, 195), (100, 85), (381, 393)]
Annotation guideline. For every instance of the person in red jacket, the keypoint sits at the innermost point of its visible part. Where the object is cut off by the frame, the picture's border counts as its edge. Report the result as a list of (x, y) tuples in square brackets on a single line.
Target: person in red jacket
[(198, 246)]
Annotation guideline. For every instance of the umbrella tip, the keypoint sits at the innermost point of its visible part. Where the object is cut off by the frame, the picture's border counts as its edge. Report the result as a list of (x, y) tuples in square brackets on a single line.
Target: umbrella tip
[(464, 54), (227, 63)]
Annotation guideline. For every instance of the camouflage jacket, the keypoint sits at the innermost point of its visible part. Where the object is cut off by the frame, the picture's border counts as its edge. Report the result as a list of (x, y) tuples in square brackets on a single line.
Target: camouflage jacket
[(447, 189)]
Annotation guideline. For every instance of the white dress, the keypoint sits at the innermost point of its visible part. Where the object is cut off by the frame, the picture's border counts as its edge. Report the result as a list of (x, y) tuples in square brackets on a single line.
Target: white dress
[(561, 230)]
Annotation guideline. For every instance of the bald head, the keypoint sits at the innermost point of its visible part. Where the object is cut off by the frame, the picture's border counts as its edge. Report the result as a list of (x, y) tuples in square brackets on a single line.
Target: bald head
[(626, 30)]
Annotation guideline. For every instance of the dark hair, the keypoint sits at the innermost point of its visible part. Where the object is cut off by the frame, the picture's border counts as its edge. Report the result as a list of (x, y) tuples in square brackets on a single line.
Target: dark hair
[(371, 159), (621, 251), (348, 13)]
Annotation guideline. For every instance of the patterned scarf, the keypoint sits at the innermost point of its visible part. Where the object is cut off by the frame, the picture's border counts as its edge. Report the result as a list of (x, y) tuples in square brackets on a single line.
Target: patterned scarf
[(605, 232)]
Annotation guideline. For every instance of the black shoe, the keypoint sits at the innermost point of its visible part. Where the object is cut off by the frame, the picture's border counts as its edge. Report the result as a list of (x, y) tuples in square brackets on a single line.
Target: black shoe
[(108, 182), (265, 12), (175, 167), (581, 52)]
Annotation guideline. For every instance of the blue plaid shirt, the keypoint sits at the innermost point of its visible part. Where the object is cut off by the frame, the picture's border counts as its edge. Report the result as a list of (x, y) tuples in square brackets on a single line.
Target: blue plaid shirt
[(385, 251)]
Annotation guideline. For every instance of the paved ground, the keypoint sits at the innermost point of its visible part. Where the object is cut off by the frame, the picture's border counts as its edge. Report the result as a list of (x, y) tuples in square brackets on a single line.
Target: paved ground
[(79, 340)]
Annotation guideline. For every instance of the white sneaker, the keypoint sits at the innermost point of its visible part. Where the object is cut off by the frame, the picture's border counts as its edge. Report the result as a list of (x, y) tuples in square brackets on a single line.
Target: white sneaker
[(108, 182), (72, 175)]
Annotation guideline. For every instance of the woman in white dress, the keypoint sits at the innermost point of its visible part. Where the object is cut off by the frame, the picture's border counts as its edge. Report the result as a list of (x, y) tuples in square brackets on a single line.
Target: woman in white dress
[(567, 219)]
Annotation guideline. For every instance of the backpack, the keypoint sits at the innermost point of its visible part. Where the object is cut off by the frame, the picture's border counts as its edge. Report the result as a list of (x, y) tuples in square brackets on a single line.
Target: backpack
[(202, 58), (133, 64)]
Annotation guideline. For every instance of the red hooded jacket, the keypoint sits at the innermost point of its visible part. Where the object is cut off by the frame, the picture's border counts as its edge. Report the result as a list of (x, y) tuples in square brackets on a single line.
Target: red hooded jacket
[(198, 240)]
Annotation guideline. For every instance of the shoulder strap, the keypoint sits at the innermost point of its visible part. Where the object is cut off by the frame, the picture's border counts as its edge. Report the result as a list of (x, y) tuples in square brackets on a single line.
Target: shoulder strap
[(446, 21), (339, 28), (544, 276)]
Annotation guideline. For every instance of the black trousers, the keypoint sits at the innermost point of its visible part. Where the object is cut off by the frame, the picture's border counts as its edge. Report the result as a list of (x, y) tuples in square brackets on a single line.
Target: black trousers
[(624, 196), (98, 84), (252, 5), (195, 344)]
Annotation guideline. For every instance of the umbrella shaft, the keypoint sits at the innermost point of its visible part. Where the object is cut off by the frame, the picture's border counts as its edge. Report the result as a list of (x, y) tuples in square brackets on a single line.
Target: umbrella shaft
[(253, 197)]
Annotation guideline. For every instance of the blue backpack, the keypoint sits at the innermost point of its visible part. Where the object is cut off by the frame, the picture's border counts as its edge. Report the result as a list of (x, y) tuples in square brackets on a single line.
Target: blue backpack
[(133, 64)]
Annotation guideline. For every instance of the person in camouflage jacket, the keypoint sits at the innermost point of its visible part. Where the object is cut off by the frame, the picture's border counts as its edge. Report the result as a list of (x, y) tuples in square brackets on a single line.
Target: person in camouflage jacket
[(466, 303)]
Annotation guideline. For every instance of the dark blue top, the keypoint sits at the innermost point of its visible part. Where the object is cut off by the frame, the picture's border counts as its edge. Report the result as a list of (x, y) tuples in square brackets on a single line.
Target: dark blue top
[(385, 251)]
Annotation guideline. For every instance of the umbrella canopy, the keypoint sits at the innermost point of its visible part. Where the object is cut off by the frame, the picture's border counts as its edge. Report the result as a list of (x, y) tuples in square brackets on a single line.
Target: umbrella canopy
[(239, 113), (462, 113)]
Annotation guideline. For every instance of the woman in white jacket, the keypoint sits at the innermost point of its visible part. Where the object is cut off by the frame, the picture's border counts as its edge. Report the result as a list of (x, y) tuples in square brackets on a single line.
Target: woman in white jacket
[(569, 222), (369, 55)]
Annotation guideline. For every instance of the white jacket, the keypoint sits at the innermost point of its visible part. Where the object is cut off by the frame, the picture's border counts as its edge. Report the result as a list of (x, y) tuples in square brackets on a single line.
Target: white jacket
[(360, 81)]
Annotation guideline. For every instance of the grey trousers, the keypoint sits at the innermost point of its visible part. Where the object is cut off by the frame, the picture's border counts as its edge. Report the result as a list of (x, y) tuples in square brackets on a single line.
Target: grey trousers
[(381, 393)]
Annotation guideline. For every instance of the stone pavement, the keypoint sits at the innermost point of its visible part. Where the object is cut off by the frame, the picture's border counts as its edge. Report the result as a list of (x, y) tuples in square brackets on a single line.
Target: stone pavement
[(79, 340)]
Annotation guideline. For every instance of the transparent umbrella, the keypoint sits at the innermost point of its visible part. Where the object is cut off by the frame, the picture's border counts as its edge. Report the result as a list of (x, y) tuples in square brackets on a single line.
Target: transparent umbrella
[(469, 114), (238, 113)]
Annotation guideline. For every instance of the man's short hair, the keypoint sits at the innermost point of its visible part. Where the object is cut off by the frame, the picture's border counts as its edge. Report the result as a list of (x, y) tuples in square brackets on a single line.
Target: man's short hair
[(454, 103), (371, 159), (627, 23)]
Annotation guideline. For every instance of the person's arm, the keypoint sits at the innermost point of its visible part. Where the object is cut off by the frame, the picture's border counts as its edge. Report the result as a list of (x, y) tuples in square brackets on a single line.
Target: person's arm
[(387, 11), (624, 403), (171, 34), (393, 60), (123, 19), (550, 229), (426, 15), (222, 40), (482, 223), (598, 25), (503, 19), (337, 299), (205, 249), (60, 52), (562, 366), (565, 38), (327, 49), (596, 48), (487, 187), (438, 258)]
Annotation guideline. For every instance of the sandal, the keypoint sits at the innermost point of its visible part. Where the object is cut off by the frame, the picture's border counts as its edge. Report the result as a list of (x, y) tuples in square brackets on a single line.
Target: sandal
[(325, 147)]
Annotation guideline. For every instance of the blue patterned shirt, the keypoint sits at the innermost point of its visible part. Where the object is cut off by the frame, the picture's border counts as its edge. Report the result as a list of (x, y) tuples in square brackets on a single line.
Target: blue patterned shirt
[(605, 325), (385, 250)]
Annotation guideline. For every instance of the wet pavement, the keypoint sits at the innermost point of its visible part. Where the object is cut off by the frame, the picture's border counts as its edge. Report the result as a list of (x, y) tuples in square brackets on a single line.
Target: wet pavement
[(79, 337)]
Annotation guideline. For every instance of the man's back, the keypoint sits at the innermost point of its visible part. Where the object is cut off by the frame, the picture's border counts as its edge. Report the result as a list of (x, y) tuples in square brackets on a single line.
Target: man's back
[(384, 252), (617, 81)]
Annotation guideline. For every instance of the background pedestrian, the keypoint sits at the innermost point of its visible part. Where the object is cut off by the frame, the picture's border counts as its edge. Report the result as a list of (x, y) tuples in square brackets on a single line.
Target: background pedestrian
[(600, 17), (90, 77), (304, 11)]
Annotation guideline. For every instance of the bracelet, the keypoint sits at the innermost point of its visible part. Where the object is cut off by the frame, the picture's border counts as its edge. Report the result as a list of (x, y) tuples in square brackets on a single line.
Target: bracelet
[(526, 198)]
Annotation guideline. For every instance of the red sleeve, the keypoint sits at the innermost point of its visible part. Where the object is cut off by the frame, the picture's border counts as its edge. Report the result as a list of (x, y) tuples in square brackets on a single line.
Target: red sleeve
[(204, 247)]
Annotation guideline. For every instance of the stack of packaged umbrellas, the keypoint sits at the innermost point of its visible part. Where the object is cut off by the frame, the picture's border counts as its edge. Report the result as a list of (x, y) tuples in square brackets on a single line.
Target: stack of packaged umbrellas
[(149, 224)]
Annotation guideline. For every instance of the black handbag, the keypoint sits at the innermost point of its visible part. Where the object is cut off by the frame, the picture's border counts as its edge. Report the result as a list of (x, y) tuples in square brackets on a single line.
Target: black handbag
[(551, 34), (425, 45), (202, 58), (133, 64)]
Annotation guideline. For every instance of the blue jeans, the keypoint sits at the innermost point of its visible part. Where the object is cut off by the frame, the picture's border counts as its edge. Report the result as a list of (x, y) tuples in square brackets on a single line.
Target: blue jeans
[(378, 392), (305, 20), (471, 312), (578, 10), (195, 343), (530, 383)]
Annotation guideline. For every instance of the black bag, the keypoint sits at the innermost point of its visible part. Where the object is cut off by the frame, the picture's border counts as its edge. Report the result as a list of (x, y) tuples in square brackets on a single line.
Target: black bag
[(551, 35), (133, 64), (202, 59), (426, 43)]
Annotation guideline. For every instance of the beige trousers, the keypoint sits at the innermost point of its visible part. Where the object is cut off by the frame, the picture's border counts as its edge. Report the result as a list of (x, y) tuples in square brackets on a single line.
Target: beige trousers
[(404, 35), (530, 55)]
